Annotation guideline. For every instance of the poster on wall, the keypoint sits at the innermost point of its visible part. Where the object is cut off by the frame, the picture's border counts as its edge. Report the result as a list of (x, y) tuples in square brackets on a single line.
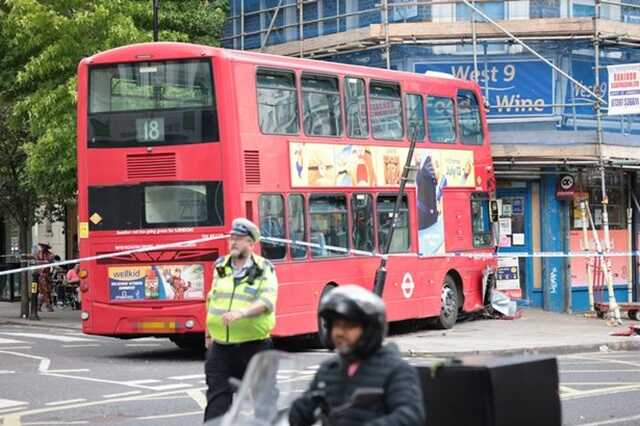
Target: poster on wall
[(156, 282), (508, 274), (624, 89), (329, 165)]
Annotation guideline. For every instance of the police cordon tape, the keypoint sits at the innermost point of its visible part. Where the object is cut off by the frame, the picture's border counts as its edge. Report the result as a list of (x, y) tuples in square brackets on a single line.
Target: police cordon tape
[(283, 241)]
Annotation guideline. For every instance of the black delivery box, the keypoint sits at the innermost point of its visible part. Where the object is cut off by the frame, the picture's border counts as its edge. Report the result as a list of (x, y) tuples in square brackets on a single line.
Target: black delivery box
[(492, 391)]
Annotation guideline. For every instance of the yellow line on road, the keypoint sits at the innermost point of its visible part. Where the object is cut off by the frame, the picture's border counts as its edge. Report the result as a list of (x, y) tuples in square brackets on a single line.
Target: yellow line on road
[(198, 397)]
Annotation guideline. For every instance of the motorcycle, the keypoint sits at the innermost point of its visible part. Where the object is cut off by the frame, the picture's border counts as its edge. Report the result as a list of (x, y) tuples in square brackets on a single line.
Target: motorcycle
[(272, 382)]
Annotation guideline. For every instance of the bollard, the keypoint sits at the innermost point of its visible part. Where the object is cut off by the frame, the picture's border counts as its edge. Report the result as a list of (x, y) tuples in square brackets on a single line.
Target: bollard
[(34, 299)]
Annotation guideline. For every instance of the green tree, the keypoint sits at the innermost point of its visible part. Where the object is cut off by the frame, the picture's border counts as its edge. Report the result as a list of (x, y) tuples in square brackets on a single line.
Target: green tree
[(48, 38)]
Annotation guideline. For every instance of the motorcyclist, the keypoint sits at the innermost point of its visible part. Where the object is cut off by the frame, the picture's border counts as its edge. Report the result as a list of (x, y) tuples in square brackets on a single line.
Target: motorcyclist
[(353, 321)]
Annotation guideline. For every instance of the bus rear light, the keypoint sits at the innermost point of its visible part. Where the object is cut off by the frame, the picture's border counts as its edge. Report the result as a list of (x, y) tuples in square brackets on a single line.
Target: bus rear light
[(84, 315), (84, 287), (83, 274)]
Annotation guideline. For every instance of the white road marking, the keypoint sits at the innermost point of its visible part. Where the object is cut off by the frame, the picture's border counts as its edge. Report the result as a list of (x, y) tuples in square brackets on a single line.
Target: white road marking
[(65, 339), (612, 421), (9, 403), (140, 382), (599, 392), (69, 401), (44, 362), (14, 348), (7, 371), (198, 397), (143, 345), (77, 422), (86, 345), (167, 416), (9, 341), (169, 387), (600, 371), (76, 370), (190, 377), (116, 395)]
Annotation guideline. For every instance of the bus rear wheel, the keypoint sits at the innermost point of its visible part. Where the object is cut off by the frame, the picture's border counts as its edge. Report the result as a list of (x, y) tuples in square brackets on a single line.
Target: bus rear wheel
[(191, 342), (449, 305)]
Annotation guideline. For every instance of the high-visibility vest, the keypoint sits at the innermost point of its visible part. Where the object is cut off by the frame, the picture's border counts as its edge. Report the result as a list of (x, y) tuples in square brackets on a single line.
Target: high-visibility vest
[(232, 294)]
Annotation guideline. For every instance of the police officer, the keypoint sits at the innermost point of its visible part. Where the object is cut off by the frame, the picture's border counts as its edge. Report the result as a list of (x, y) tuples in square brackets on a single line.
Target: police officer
[(240, 314), (354, 323)]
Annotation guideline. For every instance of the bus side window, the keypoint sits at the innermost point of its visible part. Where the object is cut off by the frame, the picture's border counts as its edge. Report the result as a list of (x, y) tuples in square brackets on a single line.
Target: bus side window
[(271, 213), (386, 110), (480, 224), (440, 119), (277, 102), (415, 117), (297, 225), (362, 226), (356, 108), (384, 206), (469, 116), (329, 224), (322, 112)]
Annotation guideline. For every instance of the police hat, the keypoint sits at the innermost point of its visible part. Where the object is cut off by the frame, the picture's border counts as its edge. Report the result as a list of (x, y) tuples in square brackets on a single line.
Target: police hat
[(245, 227)]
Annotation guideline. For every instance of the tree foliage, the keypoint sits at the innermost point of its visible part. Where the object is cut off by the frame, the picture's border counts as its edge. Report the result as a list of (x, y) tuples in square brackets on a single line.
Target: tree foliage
[(45, 40)]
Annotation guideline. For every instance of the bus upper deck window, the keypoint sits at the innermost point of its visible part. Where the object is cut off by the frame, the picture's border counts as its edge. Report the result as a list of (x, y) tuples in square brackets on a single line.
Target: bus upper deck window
[(469, 115), (321, 106), (386, 110), (277, 102), (356, 108), (440, 119), (415, 117)]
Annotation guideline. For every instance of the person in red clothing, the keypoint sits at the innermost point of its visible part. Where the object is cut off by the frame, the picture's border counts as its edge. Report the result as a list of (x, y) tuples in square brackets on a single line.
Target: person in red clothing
[(43, 277)]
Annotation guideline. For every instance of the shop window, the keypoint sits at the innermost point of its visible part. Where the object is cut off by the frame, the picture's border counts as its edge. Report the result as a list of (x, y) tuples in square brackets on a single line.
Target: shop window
[(480, 224), (415, 117), (362, 226), (469, 116), (271, 212), (329, 224), (590, 190), (321, 106), (277, 102), (356, 108), (386, 110), (440, 119), (297, 225), (384, 206)]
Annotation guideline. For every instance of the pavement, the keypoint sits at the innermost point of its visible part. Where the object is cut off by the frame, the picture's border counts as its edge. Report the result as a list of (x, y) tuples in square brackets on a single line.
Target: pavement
[(536, 332)]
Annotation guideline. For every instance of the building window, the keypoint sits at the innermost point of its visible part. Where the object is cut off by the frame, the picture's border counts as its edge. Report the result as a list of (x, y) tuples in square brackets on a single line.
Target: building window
[(321, 106), (356, 108), (386, 110), (362, 226), (493, 9), (469, 116), (480, 224), (400, 242), (329, 224), (277, 102), (297, 225), (584, 8), (415, 117), (591, 191), (440, 119), (272, 225), (544, 9)]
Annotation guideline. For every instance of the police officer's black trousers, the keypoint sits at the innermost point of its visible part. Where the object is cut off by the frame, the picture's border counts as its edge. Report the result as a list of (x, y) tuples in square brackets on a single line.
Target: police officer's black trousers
[(223, 362)]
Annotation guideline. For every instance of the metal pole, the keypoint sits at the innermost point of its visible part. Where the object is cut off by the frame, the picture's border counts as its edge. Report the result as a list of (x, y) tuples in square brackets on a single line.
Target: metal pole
[(241, 24), (381, 273), (387, 49), (475, 44), (301, 26), (156, 6), (273, 21)]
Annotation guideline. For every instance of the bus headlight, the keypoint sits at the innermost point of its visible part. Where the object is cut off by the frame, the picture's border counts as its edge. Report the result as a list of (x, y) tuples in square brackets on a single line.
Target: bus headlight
[(84, 315), (189, 323)]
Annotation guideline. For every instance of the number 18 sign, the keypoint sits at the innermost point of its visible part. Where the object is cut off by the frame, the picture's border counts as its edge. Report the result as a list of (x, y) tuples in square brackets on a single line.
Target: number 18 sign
[(150, 129)]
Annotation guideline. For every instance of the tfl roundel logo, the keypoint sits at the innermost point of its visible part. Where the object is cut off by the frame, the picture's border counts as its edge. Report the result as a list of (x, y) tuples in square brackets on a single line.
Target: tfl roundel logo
[(566, 182)]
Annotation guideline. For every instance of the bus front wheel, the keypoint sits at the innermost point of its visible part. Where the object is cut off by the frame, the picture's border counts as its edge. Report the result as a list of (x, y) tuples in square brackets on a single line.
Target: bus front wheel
[(192, 342), (449, 305)]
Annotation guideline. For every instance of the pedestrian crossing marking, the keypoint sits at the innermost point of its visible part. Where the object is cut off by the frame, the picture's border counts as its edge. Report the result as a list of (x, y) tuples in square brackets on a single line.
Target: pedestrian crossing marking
[(9, 403), (9, 341)]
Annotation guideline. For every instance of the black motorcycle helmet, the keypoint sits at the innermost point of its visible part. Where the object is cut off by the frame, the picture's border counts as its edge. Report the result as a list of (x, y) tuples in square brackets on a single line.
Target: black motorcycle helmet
[(355, 304)]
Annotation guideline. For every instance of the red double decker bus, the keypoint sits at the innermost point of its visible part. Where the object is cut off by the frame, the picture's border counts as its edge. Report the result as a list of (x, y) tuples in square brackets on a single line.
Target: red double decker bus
[(176, 140)]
